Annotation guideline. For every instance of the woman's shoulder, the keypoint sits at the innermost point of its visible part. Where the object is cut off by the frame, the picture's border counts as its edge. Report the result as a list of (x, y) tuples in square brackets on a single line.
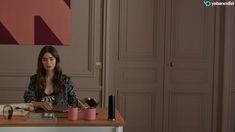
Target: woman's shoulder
[(66, 78), (67, 82), (33, 77)]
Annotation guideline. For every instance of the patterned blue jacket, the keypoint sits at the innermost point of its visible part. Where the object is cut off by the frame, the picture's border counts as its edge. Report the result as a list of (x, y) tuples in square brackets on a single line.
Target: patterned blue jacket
[(69, 96)]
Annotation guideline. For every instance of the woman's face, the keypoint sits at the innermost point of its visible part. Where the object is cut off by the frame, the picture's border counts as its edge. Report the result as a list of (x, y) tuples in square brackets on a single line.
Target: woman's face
[(48, 61)]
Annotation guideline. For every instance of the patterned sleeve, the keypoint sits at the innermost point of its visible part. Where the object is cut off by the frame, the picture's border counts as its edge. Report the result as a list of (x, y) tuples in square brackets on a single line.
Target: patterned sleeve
[(72, 99), (29, 95)]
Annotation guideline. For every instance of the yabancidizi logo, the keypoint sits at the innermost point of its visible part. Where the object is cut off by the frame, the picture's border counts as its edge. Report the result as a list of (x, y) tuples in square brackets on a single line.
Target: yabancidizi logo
[(207, 3)]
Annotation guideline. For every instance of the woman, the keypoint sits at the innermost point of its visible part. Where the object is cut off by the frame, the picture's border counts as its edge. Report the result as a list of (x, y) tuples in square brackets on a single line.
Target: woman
[(49, 86)]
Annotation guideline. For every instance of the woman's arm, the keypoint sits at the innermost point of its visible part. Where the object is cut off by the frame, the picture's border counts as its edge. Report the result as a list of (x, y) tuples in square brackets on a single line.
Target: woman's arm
[(42, 105), (72, 99), (30, 96)]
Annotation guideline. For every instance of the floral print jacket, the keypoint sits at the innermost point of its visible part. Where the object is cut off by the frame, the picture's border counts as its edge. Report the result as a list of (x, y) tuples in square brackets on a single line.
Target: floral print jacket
[(69, 96)]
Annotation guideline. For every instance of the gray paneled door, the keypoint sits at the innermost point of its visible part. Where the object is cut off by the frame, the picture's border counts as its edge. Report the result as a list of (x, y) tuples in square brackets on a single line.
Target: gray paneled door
[(189, 55), (136, 38), (136, 41), (161, 64)]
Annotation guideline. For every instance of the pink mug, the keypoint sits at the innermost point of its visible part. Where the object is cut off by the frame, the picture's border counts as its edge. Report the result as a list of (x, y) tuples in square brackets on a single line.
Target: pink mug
[(73, 113), (90, 114)]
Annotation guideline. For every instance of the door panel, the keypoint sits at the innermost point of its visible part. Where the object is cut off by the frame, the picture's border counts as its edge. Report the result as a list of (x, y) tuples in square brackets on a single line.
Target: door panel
[(136, 51), (188, 67), (138, 108)]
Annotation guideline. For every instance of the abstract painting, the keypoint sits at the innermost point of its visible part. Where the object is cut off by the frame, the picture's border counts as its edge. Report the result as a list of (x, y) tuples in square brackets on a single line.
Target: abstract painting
[(35, 22)]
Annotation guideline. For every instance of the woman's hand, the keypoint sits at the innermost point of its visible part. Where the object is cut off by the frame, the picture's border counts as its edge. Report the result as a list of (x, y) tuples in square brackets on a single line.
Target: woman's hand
[(43, 105)]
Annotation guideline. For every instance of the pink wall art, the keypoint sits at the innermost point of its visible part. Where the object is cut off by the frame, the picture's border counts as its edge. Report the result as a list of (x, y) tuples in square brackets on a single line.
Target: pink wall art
[(35, 22)]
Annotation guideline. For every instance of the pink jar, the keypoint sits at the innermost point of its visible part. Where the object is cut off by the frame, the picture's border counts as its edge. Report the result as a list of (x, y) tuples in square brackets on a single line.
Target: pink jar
[(90, 114), (73, 113)]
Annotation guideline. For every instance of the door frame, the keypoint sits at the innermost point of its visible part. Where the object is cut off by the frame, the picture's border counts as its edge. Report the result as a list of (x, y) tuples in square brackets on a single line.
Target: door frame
[(227, 74)]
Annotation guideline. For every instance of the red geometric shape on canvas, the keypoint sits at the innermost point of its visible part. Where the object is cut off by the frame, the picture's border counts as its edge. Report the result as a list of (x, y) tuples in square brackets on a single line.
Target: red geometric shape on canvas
[(67, 2), (5, 36), (43, 34), (17, 16)]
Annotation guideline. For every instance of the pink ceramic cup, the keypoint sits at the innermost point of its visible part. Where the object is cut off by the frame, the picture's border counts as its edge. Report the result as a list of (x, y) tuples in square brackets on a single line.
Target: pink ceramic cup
[(73, 114), (90, 114)]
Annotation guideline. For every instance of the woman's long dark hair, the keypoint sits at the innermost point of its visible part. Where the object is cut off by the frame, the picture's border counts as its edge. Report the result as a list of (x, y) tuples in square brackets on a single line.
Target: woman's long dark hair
[(57, 79)]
